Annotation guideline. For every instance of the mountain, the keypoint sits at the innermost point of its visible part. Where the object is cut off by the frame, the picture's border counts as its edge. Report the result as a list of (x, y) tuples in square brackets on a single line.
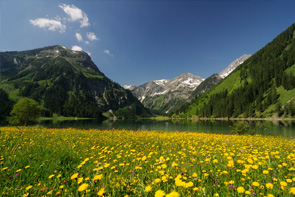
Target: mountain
[(232, 66), (65, 82), (206, 85), (262, 86), (129, 87), (165, 95)]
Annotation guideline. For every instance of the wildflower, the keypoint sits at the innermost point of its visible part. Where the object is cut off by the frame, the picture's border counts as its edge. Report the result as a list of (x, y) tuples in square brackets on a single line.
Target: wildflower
[(189, 184), (196, 189), (101, 192), (106, 165), (159, 193), (269, 185), (18, 170), (283, 183), (173, 194), (80, 180), (4, 168), (29, 187), (27, 167), (157, 180), (265, 171), (83, 187), (292, 190), (25, 195), (256, 184), (240, 189), (50, 176), (97, 177), (148, 188), (74, 176)]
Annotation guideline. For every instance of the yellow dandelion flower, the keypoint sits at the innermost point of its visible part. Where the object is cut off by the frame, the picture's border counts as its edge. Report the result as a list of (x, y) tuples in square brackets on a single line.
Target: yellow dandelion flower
[(283, 183), (240, 190), (50, 176), (148, 188), (159, 193), (74, 176), (97, 177), (269, 185), (195, 175), (106, 165), (83, 187), (292, 190), (80, 180), (196, 189), (256, 184), (29, 187), (173, 194), (265, 171), (4, 168), (101, 192)]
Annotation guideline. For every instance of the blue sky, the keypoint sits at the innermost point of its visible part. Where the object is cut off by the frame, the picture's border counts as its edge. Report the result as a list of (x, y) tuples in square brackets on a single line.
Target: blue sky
[(133, 42)]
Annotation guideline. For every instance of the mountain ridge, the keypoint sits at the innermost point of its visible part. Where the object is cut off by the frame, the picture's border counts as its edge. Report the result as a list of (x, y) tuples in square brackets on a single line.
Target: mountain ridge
[(233, 65), (165, 94), (66, 82)]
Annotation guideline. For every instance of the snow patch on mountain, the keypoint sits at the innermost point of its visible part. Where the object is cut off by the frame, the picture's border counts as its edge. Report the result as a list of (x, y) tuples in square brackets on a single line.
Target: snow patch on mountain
[(232, 66)]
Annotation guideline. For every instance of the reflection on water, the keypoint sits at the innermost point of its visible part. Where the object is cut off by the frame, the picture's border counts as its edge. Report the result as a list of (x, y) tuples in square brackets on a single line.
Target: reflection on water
[(278, 127)]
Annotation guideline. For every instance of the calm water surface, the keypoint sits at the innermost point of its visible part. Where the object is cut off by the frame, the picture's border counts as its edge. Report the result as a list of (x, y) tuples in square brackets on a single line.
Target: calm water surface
[(283, 128)]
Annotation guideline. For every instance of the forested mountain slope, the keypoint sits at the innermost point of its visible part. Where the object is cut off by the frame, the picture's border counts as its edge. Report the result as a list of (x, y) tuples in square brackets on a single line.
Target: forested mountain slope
[(263, 86), (65, 82)]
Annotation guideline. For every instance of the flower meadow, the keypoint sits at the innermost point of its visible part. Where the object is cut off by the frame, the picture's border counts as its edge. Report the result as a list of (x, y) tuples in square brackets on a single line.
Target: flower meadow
[(75, 162)]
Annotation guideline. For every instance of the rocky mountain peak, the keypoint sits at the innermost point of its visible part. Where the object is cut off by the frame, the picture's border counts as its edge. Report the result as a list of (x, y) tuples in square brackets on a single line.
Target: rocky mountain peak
[(232, 66)]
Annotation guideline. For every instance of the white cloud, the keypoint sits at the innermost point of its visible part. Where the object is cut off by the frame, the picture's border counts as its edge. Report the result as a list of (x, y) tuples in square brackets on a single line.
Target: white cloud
[(75, 14), (49, 24), (76, 48), (79, 37), (86, 42), (91, 36), (108, 52), (89, 53)]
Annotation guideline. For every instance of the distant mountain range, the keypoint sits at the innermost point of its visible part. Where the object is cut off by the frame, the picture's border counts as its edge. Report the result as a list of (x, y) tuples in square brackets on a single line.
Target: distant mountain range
[(167, 95), (67, 83), (164, 95)]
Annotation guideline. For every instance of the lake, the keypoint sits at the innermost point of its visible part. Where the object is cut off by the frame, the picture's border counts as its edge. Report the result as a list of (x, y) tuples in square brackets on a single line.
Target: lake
[(284, 128)]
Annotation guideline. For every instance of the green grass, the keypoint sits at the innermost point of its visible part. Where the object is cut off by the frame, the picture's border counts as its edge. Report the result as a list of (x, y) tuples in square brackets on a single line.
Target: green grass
[(74, 162), (61, 118)]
